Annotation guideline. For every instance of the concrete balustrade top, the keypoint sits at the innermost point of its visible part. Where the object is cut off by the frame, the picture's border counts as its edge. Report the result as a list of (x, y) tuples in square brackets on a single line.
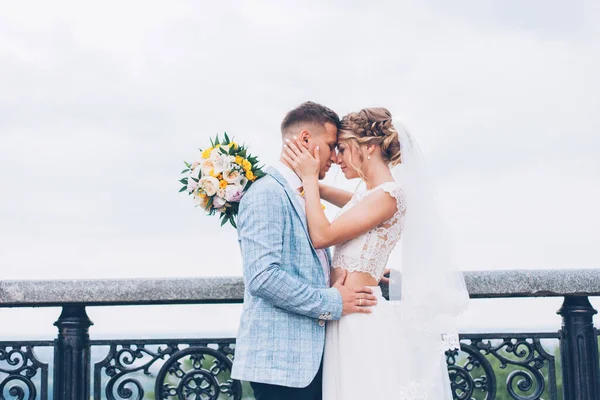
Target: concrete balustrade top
[(106, 292)]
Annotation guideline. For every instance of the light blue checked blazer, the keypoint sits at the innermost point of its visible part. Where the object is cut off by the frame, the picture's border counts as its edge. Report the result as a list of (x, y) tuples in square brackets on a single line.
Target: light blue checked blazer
[(286, 299)]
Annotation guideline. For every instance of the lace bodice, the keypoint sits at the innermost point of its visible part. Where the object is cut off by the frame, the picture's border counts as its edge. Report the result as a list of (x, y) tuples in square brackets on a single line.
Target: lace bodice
[(369, 252)]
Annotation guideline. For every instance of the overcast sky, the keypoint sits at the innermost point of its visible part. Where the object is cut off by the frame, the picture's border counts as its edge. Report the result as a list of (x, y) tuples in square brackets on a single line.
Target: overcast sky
[(100, 103)]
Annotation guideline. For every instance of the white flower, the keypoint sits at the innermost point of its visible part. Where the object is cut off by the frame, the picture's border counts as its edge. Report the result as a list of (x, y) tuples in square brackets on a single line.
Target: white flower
[(192, 185), (232, 158), (209, 185), (218, 202), (221, 192), (214, 154), (207, 166), (231, 175), (234, 193), (221, 164), (195, 171)]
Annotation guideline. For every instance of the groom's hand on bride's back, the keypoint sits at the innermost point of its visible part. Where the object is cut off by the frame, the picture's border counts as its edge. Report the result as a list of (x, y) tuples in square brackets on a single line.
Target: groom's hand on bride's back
[(358, 300)]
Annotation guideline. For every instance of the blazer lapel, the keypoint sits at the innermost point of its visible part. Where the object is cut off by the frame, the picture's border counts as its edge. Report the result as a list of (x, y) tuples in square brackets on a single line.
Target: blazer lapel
[(292, 196)]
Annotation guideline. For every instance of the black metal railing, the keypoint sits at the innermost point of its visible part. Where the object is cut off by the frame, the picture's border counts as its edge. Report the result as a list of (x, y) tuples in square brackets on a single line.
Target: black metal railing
[(522, 366)]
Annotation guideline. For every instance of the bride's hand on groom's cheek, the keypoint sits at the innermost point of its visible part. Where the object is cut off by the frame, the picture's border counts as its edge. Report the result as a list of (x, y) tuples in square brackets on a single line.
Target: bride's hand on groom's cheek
[(305, 164)]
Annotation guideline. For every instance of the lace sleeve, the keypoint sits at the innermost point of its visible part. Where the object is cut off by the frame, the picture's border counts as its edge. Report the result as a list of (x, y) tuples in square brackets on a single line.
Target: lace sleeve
[(394, 190)]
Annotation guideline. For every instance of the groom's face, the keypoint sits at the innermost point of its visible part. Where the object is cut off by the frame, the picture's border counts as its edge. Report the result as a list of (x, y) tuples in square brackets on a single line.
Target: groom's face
[(326, 140)]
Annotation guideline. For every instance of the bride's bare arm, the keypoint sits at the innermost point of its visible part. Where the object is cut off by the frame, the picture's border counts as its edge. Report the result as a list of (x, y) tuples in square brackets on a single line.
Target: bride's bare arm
[(370, 212), (335, 196)]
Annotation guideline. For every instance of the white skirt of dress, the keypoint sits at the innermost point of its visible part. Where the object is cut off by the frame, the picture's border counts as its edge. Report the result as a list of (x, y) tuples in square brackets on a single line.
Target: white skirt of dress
[(364, 359)]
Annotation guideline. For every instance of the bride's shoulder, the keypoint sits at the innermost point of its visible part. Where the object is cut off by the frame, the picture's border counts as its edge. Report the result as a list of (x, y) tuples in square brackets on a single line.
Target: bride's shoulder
[(392, 187)]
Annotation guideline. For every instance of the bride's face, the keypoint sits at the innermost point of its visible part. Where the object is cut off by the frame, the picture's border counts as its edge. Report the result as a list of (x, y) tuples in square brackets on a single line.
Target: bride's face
[(348, 158)]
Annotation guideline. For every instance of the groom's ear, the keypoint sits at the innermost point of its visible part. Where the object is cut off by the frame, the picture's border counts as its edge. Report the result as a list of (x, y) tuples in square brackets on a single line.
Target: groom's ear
[(305, 137)]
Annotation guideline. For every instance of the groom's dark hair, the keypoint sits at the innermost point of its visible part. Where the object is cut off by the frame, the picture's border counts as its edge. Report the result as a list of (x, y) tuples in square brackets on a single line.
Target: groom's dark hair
[(309, 113)]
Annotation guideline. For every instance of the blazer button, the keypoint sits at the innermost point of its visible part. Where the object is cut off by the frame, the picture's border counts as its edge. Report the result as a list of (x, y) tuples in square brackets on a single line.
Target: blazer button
[(321, 323)]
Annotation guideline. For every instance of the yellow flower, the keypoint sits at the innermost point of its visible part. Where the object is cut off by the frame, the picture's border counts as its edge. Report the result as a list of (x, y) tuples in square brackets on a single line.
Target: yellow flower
[(250, 175), (234, 144), (219, 177), (206, 153), (201, 195), (212, 173), (217, 146), (223, 184), (247, 166), (238, 160)]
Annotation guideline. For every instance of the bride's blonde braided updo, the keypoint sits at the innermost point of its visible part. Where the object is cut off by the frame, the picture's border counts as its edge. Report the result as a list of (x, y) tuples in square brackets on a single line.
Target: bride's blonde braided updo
[(372, 126)]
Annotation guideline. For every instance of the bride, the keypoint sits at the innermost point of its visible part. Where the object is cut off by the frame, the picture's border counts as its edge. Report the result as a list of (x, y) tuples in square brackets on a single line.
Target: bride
[(397, 351)]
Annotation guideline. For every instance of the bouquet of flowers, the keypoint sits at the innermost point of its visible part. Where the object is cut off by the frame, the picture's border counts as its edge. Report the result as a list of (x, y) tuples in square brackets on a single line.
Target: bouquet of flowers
[(220, 178)]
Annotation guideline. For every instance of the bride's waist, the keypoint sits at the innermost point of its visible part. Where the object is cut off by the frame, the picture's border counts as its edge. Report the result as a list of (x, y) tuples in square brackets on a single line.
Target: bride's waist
[(354, 279)]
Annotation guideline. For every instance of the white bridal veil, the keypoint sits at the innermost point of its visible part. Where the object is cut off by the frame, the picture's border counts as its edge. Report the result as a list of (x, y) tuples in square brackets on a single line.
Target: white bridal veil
[(427, 288)]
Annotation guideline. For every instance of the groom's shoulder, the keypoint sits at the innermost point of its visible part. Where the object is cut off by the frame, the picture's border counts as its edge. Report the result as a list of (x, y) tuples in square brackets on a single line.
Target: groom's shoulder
[(267, 186)]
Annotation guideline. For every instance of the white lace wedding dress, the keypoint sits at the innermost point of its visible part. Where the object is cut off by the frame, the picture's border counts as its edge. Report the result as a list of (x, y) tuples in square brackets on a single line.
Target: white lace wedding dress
[(363, 356)]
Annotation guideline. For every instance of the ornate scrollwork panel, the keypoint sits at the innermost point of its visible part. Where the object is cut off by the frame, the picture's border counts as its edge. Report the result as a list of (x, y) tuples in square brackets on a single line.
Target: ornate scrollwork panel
[(190, 370), (22, 375), (528, 370)]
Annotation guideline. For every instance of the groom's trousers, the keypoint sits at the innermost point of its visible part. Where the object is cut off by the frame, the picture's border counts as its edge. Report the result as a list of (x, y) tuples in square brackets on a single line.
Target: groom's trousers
[(314, 391)]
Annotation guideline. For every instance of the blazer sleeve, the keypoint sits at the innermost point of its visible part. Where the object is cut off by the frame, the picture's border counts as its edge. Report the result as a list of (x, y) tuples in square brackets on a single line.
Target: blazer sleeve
[(260, 231)]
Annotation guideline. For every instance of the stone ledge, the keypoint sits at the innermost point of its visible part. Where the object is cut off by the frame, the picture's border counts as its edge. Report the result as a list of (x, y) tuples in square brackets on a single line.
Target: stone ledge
[(52, 293), (107, 292), (533, 283)]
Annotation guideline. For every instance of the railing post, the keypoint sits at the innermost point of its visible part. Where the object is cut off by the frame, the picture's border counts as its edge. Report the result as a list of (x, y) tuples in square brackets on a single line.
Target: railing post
[(72, 355), (579, 350)]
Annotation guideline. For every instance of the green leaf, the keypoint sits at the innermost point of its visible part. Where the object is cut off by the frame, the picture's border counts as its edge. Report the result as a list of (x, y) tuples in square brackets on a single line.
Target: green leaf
[(184, 181), (210, 202), (222, 150), (187, 164), (233, 223), (226, 138), (212, 144), (185, 170), (183, 189), (224, 221), (217, 140)]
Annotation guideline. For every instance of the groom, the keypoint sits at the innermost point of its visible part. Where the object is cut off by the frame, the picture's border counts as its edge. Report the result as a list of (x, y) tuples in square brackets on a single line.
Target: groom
[(287, 298)]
